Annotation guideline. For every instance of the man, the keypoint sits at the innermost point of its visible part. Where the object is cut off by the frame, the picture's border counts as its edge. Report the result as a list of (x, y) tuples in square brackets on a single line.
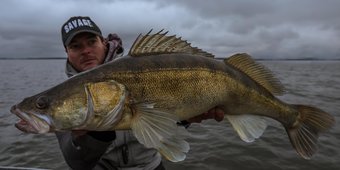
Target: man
[(86, 48)]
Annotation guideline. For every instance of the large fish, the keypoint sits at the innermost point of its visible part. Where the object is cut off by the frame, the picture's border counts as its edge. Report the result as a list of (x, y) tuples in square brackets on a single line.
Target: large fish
[(164, 80)]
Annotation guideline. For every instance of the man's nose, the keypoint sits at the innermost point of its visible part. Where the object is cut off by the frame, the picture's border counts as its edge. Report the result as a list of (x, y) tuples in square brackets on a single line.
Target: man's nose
[(86, 49)]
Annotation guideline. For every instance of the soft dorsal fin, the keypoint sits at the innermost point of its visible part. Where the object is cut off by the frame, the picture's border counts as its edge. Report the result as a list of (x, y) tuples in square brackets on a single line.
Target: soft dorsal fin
[(160, 43), (256, 71)]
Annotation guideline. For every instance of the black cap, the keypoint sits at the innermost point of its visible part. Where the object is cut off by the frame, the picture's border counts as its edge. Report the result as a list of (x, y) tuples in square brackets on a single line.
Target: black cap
[(76, 25)]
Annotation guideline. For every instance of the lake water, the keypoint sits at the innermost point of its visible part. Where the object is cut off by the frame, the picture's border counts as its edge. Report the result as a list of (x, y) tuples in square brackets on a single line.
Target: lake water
[(214, 145)]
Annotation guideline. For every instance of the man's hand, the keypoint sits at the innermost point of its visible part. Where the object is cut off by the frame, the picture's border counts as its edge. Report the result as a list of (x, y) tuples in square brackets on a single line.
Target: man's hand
[(105, 136), (78, 133), (214, 113)]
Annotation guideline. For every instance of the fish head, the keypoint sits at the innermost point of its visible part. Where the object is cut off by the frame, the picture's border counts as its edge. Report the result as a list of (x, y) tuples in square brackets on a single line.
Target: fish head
[(32, 118), (55, 109), (88, 106)]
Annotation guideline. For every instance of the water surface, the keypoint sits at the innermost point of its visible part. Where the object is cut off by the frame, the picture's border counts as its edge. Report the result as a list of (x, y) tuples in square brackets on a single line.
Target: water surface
[(214, 145)]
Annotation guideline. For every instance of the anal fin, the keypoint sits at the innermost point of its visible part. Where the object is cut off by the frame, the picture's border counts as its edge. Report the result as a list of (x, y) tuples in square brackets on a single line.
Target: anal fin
[(248, 127)]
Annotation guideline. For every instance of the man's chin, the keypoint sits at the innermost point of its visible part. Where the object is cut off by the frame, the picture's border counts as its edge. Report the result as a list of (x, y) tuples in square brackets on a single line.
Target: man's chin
[(88, 66)]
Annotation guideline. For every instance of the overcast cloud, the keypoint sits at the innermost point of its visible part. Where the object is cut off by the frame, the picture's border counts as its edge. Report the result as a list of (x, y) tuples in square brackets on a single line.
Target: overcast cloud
[(263, 28)]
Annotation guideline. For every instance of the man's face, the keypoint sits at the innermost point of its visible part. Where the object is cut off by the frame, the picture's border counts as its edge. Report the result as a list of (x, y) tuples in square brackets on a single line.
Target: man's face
[(85, 51)]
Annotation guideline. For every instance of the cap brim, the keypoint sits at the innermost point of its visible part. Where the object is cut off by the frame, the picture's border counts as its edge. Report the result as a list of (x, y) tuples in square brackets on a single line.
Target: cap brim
[(69, 39)]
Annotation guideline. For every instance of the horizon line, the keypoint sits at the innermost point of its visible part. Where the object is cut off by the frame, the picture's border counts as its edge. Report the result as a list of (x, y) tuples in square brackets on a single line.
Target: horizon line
[(218, 58)]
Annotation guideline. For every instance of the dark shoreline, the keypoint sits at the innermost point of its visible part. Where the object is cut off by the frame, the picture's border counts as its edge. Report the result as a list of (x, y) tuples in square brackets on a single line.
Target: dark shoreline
[(257, 59)]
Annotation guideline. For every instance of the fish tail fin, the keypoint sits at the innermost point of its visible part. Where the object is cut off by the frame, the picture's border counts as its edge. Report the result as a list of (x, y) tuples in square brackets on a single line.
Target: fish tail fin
[(305, 131)]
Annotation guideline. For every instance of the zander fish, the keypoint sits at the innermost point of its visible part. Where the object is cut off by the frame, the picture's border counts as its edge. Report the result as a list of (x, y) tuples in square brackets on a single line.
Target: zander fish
[(164, 80)]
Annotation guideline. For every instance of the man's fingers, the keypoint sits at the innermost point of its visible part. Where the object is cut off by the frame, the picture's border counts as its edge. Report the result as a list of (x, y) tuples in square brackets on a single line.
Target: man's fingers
[(196, 119), (77, 133), (214, 113), (219, 114), (209, 115)]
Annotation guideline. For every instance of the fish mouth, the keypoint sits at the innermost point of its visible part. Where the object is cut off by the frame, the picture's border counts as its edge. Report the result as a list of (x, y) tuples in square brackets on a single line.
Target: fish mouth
[(31, 122)]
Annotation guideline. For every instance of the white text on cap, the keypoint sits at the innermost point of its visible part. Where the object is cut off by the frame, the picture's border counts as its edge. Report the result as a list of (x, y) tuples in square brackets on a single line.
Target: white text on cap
[(77, 23)]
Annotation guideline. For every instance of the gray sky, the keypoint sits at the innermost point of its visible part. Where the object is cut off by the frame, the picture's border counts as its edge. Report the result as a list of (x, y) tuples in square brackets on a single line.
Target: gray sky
[(262, 28)]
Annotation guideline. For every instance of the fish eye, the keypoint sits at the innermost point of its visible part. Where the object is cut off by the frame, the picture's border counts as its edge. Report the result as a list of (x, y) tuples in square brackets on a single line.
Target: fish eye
[(42, 102)]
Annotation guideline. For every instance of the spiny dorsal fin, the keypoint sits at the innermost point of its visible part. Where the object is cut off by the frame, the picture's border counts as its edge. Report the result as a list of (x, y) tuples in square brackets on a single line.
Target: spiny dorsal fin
[(160, 43), (256, 71)]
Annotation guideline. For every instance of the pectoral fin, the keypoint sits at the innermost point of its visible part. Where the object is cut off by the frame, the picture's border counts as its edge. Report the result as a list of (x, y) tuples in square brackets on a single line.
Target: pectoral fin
[(158, 129), (174, 149)]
